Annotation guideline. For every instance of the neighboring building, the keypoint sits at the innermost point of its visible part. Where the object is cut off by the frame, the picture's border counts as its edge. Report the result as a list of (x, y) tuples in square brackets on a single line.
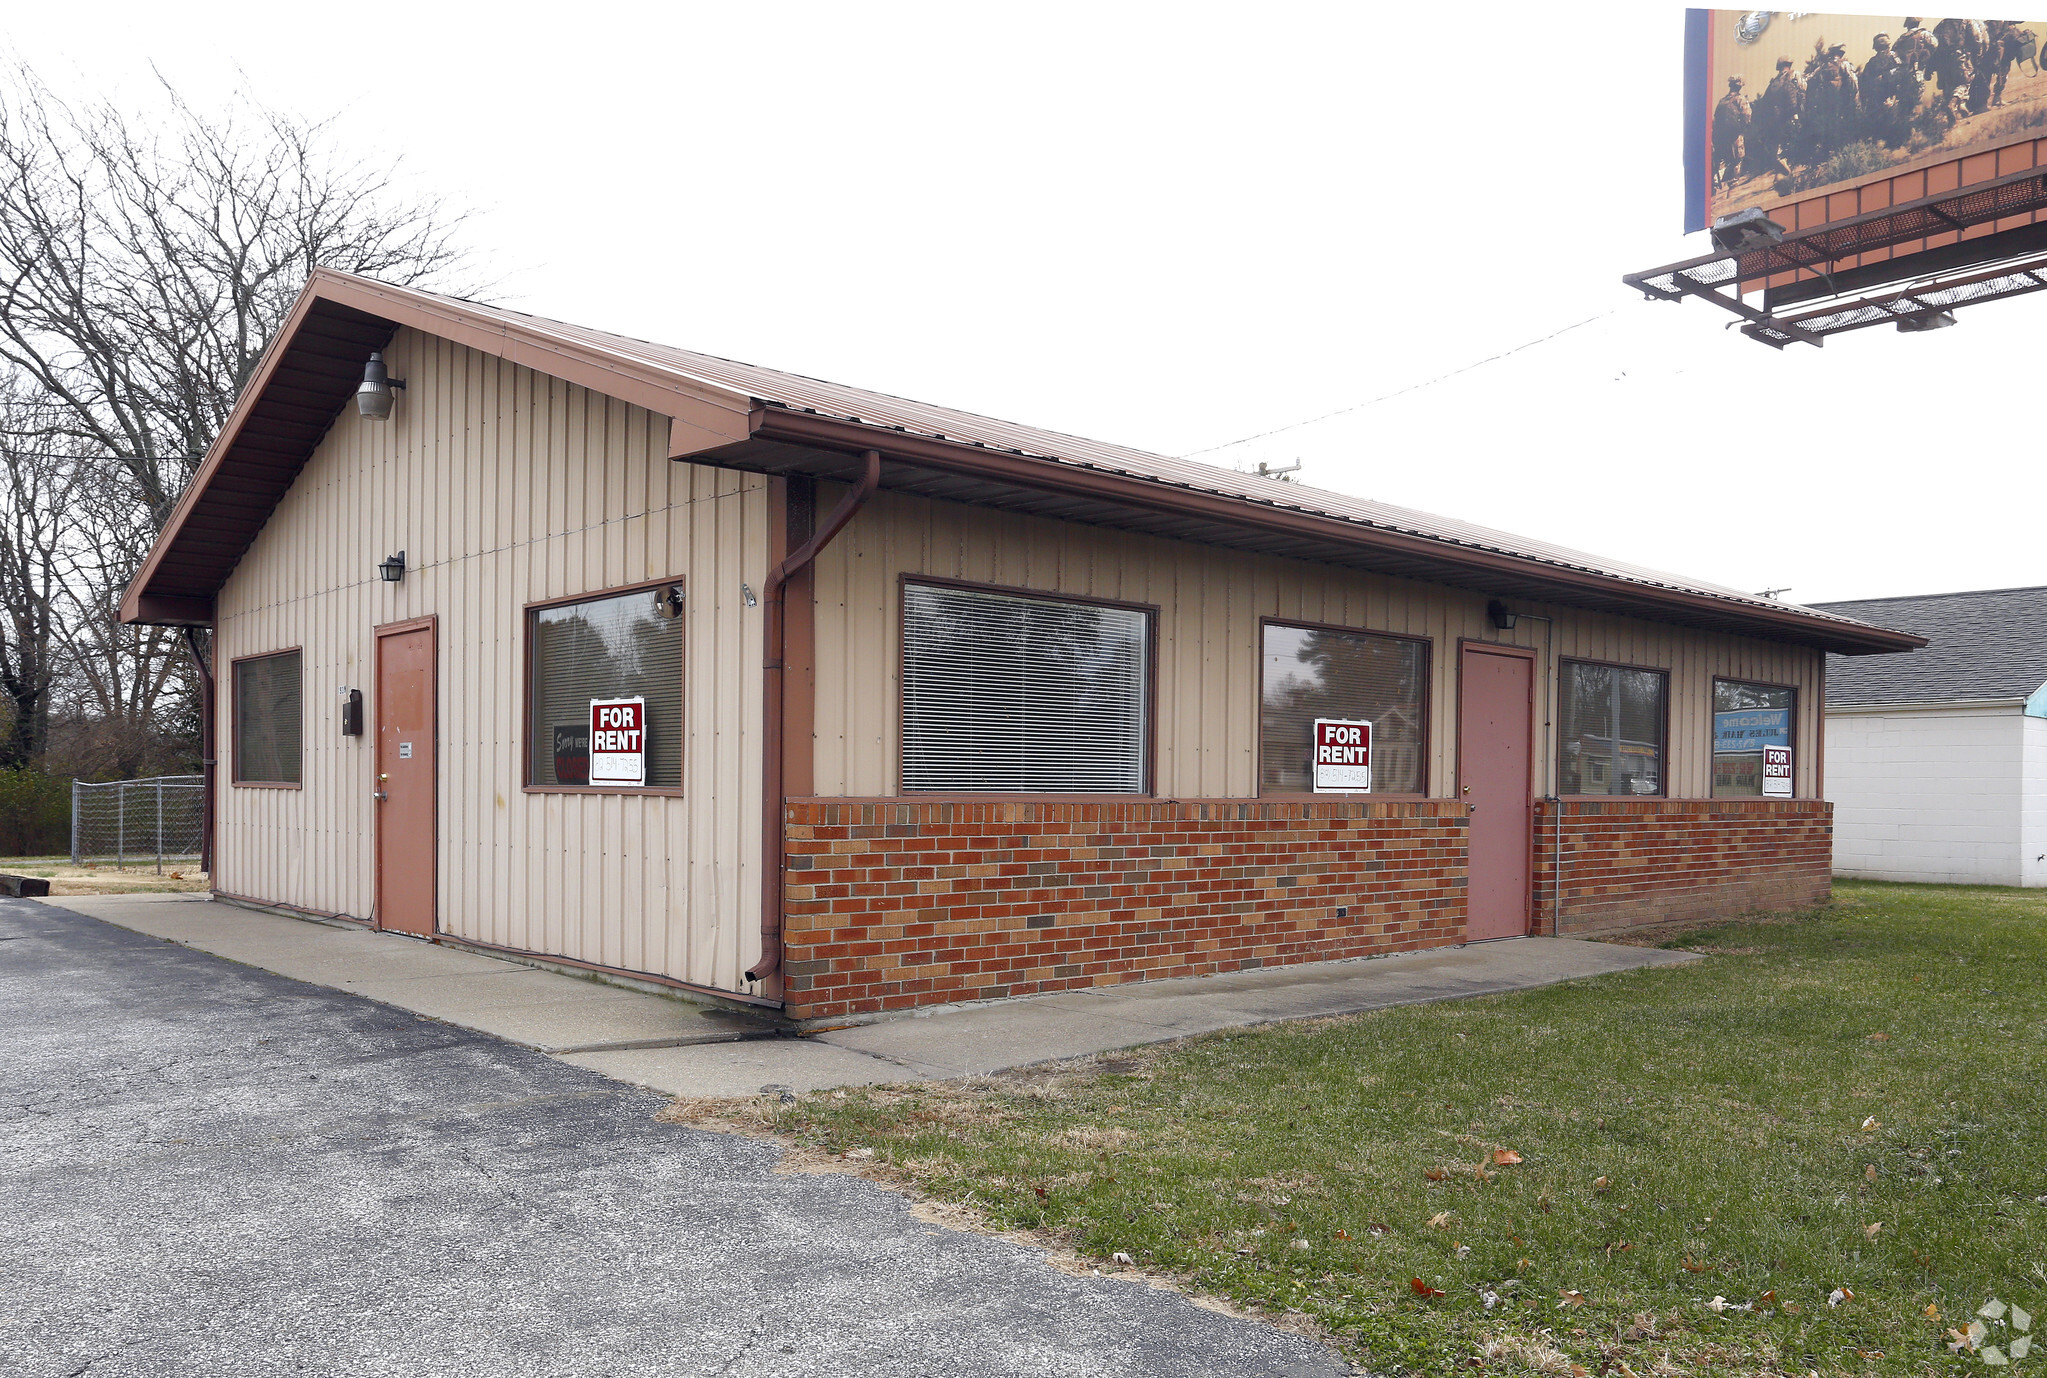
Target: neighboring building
[(1937, 761), (1040, 713)]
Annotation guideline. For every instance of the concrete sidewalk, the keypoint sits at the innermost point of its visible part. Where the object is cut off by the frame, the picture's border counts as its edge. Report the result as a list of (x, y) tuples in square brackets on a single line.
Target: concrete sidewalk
[(690, 1049)]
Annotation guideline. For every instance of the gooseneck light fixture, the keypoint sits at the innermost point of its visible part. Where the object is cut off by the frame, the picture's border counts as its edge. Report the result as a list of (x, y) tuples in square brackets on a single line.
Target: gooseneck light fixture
[(373, 398), (391, 568)]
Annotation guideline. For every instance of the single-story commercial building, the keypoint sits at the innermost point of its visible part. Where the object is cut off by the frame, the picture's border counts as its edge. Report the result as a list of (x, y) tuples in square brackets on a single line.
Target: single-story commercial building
[(549, 641), (1937, 761)]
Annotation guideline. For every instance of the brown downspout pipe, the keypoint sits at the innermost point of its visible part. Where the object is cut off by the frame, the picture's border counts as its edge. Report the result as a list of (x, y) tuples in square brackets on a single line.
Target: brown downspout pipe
[(772, 637), (201, 663)]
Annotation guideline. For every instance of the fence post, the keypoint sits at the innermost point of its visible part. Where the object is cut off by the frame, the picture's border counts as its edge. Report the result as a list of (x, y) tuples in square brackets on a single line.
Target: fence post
[(74, 822), (159, 827), (121, 826)]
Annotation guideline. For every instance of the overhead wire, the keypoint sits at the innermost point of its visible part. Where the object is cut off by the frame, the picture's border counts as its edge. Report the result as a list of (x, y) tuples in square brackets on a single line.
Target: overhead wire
[(1402, 392)]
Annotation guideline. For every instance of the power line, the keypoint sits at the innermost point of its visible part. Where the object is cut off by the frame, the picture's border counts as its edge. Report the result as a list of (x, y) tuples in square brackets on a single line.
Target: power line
[(1399, 392)]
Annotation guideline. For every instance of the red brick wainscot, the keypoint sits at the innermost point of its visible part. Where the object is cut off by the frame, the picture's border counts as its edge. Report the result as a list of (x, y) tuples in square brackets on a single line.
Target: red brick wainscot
[(904, 902), (1634, 862)]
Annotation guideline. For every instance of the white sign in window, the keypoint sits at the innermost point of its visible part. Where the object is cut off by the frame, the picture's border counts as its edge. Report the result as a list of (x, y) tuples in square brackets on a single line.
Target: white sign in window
[(1776, 772), (618, 741), (1343, 756)]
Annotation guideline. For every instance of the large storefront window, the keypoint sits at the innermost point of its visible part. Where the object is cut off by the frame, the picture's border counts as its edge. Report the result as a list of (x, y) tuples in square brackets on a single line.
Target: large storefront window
[(1610, 737), (1746, 719), (621, 646), (1011, 693), (1317, 672)]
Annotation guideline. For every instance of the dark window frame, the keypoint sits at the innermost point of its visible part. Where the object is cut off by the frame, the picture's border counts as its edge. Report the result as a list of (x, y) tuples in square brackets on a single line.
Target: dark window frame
[(1152, 614), (1428, 711), (1557, 738), (234, 759), (526, 625), (1712, 707)]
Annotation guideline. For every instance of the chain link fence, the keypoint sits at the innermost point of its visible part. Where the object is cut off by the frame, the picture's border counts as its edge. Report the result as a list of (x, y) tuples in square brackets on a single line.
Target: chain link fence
[(138, 822)]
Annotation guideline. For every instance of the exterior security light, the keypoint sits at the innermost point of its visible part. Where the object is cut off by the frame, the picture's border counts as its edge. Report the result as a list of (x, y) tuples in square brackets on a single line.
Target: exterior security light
[(373, 398), (1931, 320), (392, 567), (746, 595), (1502, 616), (1746, 231), (668, 601)]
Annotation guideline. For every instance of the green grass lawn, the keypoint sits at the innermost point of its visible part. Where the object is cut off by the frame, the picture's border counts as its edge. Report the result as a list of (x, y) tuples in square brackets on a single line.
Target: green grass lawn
[(1850, 1100)]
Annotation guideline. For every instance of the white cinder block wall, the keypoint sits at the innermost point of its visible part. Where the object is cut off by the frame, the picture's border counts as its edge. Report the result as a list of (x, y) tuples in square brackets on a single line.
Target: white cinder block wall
[(2033, 830), (1946, 795)]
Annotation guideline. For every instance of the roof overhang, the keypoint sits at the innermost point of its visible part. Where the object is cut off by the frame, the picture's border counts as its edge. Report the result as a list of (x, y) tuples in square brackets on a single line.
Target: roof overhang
[(313, 367)]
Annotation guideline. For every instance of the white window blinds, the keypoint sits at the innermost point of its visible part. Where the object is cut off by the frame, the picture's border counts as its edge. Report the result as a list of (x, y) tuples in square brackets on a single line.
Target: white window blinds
[(269, 716), (1003, 693)]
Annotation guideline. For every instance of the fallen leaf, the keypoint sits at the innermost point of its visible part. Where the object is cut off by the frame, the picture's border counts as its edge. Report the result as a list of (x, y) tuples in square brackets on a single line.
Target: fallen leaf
[(1767, 1297), (1599, 1184), (1376, 1228), (1580, 1371), (862, 1153), (1440, 1220), (1571, 1299), (1839, 1295), (1461, 1250), (1480, 1173), (1422, 1289), (1505, 1157), (1879, 1038), (1524, 1265), (1870, 1353), (1869, 1231), (1932, 1312), (1125, 1259), (1870, 1123), (1043, 1195), (1870, 1172), (1691, 1267), (1792, 1308), (1436, 1174), (1619, 1246), (1343, 1234)]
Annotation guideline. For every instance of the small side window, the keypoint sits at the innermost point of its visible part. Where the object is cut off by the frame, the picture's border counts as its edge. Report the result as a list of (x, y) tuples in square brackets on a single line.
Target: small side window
[(269, 720)]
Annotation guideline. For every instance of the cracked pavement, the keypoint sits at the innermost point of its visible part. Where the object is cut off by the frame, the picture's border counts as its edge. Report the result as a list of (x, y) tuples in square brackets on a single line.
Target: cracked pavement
[(208, 1169)]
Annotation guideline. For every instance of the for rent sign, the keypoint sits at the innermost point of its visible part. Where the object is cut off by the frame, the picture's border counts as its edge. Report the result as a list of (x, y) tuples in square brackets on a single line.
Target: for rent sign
[(1343, 756), (1776, 772), (618, 741)]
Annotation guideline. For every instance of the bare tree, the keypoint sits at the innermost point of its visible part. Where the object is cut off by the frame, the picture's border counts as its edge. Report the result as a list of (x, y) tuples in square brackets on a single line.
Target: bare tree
[(145, 262)]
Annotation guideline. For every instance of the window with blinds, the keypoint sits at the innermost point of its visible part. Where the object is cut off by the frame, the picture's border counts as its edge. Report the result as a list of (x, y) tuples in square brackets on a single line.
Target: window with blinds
[(615, 647), (1747, 718), (1015, 693), (1610, 729), (1313, 672), (269, 719)]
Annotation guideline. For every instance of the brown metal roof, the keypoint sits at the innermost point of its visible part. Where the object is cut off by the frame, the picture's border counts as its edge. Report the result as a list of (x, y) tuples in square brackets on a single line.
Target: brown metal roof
[(770, 421)]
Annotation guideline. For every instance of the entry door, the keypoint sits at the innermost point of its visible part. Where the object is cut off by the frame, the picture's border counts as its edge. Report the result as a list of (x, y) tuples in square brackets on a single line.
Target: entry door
[(1496, 697), (405, 781)]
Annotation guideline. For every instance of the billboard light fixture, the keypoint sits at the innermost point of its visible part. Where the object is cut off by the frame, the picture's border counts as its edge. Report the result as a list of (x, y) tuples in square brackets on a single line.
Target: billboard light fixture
[(1746, 231), (1925, 321)]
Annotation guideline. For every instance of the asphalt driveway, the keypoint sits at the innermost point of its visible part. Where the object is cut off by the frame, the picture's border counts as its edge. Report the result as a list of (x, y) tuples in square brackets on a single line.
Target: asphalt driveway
[(209, 1169)]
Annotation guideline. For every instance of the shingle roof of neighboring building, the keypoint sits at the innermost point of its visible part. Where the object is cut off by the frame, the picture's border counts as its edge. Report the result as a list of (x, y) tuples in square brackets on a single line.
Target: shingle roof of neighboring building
[(1991, 644)]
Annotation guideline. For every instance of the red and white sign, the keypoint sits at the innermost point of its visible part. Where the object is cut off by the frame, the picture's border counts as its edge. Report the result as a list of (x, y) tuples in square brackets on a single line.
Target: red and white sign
[(618, 741), (1343, 756), (1776, 772)]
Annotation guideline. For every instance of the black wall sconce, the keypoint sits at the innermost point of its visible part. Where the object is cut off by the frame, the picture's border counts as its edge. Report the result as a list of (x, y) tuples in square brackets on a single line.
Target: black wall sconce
[(1502, 616), (391, 568)]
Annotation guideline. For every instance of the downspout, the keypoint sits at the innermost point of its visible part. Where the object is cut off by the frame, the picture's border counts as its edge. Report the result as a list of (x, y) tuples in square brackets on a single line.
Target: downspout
[(202, 663), (772, 648)]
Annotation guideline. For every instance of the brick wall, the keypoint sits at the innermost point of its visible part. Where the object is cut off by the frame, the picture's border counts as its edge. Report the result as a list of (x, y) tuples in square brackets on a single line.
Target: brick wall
[(898, 903), (1634, 862)]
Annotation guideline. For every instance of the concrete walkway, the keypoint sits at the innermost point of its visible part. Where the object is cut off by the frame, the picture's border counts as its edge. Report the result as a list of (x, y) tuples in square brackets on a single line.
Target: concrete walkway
[(688, 1049)]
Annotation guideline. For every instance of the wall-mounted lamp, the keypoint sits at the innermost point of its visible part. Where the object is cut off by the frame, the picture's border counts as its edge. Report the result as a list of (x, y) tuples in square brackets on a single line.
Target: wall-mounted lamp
[(1502, 616), (373, 398), (746, 595), (391, 568)]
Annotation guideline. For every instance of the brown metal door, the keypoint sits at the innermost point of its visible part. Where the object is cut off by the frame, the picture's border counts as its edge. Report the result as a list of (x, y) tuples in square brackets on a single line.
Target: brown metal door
[(1495, 703), (405, 784)]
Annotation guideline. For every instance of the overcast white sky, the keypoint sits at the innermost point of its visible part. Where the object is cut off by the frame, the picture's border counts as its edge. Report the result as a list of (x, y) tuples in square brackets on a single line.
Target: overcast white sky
[(1172, 226)]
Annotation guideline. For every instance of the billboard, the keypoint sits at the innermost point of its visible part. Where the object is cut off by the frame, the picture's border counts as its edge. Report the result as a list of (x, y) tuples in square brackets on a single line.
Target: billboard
[(1785, 108)]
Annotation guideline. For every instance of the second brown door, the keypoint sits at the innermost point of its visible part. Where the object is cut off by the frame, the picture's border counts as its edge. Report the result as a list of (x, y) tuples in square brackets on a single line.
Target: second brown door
[(1495, 699)]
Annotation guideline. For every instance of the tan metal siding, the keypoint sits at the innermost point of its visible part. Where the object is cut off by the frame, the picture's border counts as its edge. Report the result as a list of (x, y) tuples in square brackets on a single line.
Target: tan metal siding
[(1210, 603), (506, 487)]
